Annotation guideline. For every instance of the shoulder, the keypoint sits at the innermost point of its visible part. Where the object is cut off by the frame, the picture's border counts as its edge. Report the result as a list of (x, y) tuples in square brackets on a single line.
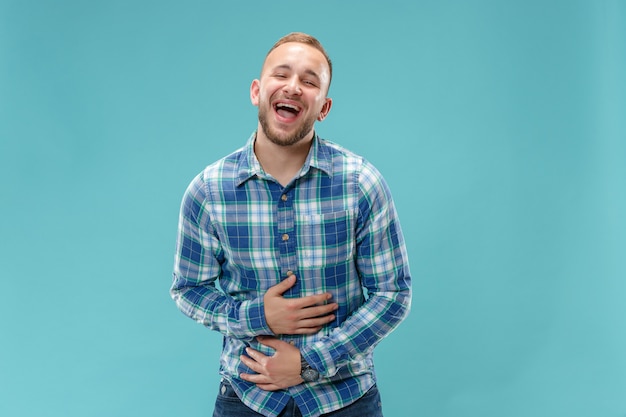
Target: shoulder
[(225, 167), (214, 176), (338, 154), (345, 160)]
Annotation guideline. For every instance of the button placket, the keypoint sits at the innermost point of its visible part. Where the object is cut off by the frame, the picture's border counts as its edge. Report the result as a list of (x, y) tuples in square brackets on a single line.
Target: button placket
[(286, 228)]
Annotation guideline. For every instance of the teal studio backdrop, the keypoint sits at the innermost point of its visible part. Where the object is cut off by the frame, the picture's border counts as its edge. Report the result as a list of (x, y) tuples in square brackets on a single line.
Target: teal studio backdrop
[(499, 125)]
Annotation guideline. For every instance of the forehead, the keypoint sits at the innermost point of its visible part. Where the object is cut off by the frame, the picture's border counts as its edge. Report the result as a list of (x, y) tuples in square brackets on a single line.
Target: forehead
[(297, 56)]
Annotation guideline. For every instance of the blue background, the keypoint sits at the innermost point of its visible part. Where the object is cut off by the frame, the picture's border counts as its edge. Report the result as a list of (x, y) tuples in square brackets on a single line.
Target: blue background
[(500, 127)]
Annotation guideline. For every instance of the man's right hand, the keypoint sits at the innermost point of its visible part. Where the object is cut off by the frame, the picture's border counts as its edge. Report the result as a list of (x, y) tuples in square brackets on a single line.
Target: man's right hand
[(305, 315)]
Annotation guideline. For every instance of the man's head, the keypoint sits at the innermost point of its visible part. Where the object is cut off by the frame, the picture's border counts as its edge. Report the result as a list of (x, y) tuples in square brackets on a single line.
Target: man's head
[(291, 92)]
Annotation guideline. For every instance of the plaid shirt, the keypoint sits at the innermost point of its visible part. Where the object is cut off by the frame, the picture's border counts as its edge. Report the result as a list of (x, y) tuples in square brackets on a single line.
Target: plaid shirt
[(335, 226)]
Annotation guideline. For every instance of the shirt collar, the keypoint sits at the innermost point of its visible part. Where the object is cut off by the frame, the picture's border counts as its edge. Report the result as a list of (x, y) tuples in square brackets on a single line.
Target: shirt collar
[(319, 157)]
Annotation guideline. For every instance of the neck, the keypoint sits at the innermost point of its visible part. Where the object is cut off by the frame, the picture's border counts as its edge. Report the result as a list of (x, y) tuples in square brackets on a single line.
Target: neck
[(281, 162)]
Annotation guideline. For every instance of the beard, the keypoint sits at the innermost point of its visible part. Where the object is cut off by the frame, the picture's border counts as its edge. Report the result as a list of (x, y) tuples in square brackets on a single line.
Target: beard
[(284, 139)]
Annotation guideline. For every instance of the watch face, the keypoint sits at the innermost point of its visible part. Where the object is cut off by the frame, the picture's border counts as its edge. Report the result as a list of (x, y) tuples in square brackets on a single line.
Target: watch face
[(310, 375)]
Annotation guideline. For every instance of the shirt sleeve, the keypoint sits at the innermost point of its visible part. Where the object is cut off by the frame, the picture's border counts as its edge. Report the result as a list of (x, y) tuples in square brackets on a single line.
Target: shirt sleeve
[(197, 266), (382, 263)]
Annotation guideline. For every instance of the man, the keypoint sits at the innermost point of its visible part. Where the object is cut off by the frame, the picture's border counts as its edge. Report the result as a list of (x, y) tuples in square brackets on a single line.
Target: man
[(303, 239)]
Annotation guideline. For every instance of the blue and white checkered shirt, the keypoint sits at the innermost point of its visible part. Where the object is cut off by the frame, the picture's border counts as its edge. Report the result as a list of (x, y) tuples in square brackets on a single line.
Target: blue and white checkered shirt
[(335, 226)]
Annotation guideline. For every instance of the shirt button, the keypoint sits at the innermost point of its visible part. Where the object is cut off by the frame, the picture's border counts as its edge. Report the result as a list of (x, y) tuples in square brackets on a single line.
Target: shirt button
[(289, 273), (284, 197), (285, 237)]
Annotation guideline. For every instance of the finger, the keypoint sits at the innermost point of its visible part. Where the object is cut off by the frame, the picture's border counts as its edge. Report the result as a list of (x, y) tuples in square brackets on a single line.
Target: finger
[(255, 366), (325, 313), (260, 380), (282, 286), (256, 355), (255, 378), (316, 300), (319, 311), (312, 326), (309, 329), (316, 322)]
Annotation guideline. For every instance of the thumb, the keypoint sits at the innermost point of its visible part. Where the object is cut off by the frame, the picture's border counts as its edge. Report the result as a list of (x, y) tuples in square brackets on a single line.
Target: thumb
[(283, 286)]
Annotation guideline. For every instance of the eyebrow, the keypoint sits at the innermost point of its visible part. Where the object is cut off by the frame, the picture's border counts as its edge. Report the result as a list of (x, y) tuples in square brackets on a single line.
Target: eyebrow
[(288, 67)]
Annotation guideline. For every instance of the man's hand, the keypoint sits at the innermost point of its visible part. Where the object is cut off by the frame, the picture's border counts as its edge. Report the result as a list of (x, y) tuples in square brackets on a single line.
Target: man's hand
[(279, 371), (305, 315)]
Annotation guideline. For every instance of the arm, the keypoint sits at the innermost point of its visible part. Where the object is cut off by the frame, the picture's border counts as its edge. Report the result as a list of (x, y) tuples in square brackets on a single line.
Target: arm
[(197, 266)]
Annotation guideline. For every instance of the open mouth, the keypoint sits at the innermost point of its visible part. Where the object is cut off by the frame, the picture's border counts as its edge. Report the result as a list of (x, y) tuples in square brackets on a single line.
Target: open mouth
[(286, 110)]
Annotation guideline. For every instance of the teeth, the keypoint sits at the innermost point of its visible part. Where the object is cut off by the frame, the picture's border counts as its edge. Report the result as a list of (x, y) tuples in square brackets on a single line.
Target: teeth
[(289, 106)]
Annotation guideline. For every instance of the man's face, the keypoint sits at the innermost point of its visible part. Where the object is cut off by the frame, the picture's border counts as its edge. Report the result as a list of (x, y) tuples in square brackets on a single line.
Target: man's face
[(291, 93)]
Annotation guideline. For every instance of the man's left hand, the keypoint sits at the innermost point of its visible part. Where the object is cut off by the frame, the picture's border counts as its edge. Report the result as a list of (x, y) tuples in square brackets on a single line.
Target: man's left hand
[(279, 371)]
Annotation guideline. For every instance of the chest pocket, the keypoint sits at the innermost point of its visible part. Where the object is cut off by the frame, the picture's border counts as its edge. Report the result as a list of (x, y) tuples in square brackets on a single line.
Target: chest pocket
[(325, 239)]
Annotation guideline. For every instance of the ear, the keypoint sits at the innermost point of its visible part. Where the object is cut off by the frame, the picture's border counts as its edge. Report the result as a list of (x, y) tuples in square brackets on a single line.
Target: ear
[(254, 92), (325, 109)]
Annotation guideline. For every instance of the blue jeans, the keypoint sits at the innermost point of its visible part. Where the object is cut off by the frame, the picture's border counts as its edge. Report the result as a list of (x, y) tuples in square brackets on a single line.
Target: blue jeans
[(229, 405)]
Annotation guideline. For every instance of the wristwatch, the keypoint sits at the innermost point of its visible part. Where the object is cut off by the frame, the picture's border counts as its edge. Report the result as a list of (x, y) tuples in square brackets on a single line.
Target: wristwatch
[(307, 372)]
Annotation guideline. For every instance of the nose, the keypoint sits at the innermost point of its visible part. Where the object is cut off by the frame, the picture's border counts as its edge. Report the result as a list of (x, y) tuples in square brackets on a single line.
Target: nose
[(292, 86)]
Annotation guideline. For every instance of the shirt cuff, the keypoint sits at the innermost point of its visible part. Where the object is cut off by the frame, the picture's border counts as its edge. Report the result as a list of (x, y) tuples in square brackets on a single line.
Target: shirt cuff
[(252, 315), (320, 359)]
